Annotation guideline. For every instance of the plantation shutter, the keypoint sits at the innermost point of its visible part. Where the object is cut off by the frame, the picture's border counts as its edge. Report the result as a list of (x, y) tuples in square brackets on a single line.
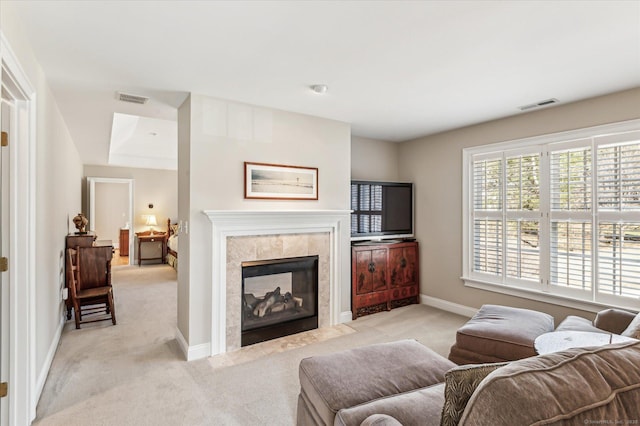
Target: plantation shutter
[(523, 216), (619, 177), (487, 215), (571, 223), (619, 226)]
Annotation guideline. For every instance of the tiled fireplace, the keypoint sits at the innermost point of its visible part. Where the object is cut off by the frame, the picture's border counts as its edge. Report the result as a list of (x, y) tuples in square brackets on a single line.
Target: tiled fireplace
[(269, 247), (254, 236), (279, 297)]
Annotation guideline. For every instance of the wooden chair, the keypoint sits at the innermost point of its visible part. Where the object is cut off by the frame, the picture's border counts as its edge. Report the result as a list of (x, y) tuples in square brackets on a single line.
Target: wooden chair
[(91, 299)]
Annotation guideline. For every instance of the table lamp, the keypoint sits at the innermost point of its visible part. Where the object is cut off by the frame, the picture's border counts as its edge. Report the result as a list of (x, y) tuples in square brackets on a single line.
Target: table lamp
[(151, 221)]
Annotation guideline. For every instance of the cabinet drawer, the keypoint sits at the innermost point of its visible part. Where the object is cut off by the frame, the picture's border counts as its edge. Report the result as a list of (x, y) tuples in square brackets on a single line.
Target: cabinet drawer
[(403, 292), (370, 299)]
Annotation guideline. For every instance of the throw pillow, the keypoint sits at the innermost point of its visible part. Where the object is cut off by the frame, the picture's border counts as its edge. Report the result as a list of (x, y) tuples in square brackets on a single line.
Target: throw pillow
[(460, 383), (634, 328)]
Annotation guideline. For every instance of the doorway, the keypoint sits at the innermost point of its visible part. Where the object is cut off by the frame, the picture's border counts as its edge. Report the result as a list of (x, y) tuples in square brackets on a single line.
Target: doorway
[(111, 210), (5, 115), (17, 217)]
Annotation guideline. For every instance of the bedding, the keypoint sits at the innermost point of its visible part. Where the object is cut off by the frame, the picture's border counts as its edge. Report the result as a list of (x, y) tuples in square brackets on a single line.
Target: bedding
[(172, 244)]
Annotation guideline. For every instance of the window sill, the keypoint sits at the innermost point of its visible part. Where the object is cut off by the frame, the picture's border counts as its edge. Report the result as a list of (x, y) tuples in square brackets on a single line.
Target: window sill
[(541, 296)]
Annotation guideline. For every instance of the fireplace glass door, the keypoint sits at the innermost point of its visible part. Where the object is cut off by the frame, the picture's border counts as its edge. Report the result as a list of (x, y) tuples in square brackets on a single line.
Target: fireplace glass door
[(279, 297)]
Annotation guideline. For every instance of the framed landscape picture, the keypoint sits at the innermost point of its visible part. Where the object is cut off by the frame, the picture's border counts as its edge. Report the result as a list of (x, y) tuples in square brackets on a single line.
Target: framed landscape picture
[(280, 182)]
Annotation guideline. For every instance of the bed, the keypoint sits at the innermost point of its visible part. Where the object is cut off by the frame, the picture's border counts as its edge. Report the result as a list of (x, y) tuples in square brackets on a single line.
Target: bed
[(172, 244)]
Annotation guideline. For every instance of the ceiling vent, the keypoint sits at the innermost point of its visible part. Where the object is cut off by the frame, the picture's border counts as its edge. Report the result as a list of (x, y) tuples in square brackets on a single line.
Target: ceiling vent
[(546, 102), (134, 99)]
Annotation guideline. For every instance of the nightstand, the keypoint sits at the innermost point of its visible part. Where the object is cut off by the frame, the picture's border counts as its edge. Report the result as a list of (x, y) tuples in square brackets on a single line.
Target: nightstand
[(147, 237)]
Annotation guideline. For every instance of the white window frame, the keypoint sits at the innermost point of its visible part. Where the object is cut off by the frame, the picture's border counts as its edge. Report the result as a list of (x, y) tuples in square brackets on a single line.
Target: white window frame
[(543, 291)]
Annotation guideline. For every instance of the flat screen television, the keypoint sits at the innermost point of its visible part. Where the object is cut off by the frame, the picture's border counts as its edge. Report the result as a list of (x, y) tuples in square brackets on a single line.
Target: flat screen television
[(381, 210)]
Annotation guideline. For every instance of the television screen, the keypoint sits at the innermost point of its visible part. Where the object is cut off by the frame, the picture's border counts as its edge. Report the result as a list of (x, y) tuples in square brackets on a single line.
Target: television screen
[(381, 209)]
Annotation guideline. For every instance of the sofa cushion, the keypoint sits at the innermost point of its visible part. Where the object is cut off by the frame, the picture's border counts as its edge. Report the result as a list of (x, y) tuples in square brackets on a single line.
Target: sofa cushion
[(463, 356), (575, 386), (574, 323), (634, 328), (418, 407), (503, 332), (460, 383), (380, 420), (331, 382)]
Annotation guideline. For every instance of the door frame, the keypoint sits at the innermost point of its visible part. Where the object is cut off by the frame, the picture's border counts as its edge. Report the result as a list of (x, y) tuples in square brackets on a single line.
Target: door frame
[(91, 188), (23, 394)]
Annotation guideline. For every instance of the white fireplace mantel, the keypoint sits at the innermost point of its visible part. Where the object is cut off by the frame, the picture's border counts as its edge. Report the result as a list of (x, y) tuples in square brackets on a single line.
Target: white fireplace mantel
[(231, 223)]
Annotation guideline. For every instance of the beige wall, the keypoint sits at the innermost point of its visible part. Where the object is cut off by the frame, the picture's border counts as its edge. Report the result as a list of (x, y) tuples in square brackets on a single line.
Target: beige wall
[(221, 136), (434, 164), (374, 159), (58, 171), (112, 210)]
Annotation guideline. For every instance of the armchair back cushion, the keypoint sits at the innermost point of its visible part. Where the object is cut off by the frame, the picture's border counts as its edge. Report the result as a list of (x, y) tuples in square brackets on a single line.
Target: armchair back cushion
[(574, 386), (613, 320)]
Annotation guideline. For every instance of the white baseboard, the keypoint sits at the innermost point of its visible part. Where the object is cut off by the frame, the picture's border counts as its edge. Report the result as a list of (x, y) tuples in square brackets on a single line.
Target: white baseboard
[(445, 305), (182, 343), (191, 353), (44, 372), (345, 317)]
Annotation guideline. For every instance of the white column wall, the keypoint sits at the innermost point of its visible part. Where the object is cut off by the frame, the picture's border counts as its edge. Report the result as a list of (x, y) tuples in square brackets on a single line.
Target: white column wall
[(217, 137)]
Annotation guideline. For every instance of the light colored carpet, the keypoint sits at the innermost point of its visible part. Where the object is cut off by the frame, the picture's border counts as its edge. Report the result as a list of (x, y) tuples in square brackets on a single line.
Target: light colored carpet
[(134, 373)]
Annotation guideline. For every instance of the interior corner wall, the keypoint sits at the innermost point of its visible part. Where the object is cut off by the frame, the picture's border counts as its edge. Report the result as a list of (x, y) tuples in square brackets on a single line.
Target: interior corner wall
[(374, 159), (222, 136), (58, 170), (434, 164)]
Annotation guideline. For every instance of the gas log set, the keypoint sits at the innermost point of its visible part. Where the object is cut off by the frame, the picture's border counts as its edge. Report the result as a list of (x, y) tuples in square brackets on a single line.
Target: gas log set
[(272, 302)]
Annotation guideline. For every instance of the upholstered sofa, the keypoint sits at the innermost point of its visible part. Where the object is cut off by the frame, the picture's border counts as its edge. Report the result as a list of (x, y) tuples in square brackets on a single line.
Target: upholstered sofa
[(576, 386)]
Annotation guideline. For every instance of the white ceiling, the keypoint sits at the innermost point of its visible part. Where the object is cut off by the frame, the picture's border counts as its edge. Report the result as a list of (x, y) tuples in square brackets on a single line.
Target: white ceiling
[(143, 142), (396, 70)]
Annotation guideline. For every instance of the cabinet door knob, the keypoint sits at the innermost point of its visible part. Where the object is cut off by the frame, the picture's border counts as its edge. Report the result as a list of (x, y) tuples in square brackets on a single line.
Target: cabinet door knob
[(372, 267), (403, 262)]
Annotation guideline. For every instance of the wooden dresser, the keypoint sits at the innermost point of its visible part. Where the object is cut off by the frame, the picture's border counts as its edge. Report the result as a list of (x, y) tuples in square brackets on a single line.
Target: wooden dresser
[(95, 264), (383, 276), (124, 242)]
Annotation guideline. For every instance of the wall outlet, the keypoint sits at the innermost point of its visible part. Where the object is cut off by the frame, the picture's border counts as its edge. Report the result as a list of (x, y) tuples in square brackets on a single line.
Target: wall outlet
[(64, 293)]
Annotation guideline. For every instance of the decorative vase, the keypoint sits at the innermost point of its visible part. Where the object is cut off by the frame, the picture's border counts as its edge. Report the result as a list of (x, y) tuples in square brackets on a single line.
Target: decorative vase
[(81, 223)]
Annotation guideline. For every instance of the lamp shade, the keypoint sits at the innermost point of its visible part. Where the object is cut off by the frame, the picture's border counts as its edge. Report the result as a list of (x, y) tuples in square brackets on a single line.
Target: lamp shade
[(151, 220)]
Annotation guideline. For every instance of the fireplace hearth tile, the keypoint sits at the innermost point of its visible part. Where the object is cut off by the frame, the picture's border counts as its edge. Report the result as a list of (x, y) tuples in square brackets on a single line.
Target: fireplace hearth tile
[(268, 247), (318, 244), (282, 344), (239, 249), (295, 245)]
